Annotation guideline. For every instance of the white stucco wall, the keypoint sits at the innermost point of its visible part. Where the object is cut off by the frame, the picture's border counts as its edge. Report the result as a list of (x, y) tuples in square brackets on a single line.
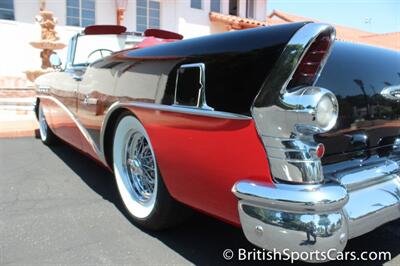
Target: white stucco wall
[(105, 12), (177, 15), (261, 10), (16, 54), (130, 16), (192, 22)]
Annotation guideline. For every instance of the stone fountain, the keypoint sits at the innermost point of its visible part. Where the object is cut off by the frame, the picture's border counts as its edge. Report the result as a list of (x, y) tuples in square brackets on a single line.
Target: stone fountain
[(48, 43)]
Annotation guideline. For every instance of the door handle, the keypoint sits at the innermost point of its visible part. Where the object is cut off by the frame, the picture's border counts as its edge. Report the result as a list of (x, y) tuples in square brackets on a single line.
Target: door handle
[(77, 78), (90, 101)]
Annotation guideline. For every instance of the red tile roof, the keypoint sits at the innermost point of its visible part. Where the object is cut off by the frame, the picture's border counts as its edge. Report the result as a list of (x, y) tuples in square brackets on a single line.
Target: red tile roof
[(235, 22), (388, 40)]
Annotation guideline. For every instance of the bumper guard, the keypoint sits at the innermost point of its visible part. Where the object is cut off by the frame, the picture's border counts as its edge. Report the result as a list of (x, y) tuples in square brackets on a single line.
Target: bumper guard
[(319, 217)]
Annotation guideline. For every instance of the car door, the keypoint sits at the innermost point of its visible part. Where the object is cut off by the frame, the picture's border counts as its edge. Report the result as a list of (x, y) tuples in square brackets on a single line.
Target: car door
[(94, 97), (63, 91)]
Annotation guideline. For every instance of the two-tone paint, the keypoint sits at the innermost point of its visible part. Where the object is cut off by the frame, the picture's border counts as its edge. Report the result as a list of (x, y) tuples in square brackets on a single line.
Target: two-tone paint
[(191, 144)]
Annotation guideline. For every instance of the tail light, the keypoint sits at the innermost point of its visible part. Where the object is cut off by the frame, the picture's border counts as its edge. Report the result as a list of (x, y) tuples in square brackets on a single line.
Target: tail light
[(290, 110), (320, 151), (311, 63)]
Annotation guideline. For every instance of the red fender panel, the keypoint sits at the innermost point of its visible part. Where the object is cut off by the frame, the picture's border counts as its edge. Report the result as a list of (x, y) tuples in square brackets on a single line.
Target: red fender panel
[(200, 158)]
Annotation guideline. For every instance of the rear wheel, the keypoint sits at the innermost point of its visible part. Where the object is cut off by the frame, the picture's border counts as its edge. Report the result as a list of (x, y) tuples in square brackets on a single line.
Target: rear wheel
[(46, 135), (139, 182)]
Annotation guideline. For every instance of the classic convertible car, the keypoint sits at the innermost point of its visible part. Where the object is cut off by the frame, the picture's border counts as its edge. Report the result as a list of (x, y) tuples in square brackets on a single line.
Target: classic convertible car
[(279, 130)]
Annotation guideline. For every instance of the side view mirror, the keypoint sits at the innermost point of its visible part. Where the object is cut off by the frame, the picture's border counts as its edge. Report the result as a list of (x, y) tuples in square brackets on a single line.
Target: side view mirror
[(55, 61)]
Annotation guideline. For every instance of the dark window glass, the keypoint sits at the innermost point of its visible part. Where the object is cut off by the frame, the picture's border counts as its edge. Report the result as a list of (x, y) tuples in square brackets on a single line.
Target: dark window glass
[(250, 8), (188, 86), (215, 6), (141, 20), (141, 27), (88, 14), (141, 12), (196, 4), (233, 7), (154, 5), (87, 22), (73, 3), (147, 15), (7, 4), (154, 13), (154, 23), (73, 12), (7, 9), (81, 13), (141, 3), (71, 21), (88, 4)]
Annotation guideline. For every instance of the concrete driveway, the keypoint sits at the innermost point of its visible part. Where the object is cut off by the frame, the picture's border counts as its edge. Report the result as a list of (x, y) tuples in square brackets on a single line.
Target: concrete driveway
[(59, 207)]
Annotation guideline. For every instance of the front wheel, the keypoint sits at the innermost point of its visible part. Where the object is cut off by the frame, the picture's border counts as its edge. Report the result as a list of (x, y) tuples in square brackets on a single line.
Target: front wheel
[(138, 178), (46, 135)]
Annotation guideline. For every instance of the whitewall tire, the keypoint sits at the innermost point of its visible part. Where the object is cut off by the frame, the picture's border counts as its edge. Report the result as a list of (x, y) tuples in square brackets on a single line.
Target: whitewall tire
[(46, 135), (138, 178)]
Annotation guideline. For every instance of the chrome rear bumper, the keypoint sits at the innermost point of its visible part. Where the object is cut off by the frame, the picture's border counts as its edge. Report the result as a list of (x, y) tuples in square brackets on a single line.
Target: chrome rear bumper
[(323, 217)]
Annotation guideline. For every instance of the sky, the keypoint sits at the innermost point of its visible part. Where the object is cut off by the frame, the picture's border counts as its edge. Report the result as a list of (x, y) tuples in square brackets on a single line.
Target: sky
[(378, 16)]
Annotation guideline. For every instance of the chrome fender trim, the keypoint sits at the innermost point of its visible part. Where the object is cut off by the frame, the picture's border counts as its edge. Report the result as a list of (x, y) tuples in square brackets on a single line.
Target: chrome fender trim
[(82, 129)]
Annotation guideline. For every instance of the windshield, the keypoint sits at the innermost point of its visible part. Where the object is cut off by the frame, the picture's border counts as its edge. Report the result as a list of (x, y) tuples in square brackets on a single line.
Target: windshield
[(90, 48)]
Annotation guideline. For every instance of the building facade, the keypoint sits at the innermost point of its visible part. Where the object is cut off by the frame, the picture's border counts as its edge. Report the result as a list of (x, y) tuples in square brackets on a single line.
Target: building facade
[(187, 17), (191, 18)]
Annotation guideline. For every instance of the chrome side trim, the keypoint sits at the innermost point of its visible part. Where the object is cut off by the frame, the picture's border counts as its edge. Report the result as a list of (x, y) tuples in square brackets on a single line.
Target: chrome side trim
[(43, 89), (190, 110), (116, 105), (81, 128), (286, 120)]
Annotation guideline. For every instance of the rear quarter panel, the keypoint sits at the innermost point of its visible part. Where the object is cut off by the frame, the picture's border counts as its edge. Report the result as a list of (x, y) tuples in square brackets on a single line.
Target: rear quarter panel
[(200, 158)]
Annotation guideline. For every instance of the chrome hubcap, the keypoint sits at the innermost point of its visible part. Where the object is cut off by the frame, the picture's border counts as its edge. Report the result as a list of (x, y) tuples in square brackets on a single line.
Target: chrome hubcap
[(140, 167), (42, 123)]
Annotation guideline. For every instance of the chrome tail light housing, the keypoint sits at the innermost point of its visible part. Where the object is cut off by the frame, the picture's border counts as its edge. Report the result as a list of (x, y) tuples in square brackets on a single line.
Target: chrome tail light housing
[(289, 110)]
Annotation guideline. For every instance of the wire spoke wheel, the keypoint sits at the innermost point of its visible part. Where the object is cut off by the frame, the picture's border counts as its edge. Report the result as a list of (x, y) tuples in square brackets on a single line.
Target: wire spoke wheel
[(135, 167), (139, 166), (138, 178)]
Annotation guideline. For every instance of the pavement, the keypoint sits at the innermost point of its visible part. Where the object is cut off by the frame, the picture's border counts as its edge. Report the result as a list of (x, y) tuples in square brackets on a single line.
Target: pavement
[(59, 207)]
